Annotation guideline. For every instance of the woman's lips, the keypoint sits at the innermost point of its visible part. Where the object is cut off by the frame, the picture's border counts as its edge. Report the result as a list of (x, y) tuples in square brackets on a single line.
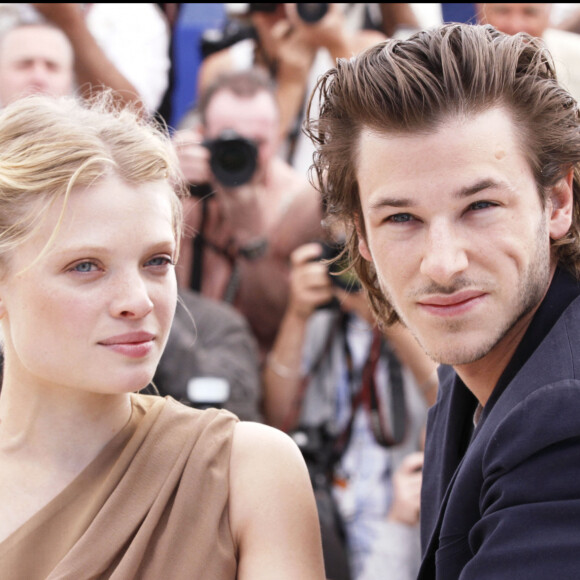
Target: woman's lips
[(132, 344)]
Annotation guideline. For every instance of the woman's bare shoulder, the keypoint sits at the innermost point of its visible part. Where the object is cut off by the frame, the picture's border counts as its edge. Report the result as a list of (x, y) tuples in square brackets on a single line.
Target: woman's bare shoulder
[(272, 502)]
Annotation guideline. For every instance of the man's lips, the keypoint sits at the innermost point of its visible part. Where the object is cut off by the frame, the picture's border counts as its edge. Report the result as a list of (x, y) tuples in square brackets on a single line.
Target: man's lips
[(452, 304)]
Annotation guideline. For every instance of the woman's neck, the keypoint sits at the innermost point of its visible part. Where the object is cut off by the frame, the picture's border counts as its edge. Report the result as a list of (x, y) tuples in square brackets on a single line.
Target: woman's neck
[(62, 427)]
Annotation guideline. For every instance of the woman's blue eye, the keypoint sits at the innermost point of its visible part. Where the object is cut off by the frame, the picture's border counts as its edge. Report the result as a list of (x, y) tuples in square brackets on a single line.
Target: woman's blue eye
[(84, 267), (160, 261)]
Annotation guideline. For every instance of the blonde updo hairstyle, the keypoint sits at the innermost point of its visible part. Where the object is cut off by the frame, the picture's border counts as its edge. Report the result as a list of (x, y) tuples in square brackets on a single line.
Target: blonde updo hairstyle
[(49, 146)]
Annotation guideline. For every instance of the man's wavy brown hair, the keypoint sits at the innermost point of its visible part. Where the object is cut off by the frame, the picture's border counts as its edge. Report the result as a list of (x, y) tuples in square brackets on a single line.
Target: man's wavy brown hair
[(414, 85)]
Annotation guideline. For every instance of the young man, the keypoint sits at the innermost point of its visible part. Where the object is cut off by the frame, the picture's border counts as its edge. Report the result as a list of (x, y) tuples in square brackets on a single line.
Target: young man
[(453, 155)]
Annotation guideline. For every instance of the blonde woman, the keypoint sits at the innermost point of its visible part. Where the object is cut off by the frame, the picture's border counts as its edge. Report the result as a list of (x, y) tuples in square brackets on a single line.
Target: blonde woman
[(96, 480)]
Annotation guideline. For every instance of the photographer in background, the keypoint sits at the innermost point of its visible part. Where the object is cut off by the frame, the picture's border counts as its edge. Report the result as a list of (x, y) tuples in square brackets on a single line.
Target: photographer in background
[(249, 209), (35, 58), (123, 46), (294, 44), (355, 400)]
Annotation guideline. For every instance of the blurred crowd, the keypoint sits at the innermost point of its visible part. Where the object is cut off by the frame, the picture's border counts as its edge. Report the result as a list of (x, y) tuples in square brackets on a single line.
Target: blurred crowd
[(270, 325)]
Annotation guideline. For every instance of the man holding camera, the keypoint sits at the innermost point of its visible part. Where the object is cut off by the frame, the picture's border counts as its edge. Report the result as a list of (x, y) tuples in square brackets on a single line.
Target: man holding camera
[(355, 401), (295, 44), (254, 208)]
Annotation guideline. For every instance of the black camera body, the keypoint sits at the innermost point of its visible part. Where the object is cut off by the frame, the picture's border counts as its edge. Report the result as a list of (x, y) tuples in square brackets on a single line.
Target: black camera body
[(340, 276), (233, 158), (309, 13)]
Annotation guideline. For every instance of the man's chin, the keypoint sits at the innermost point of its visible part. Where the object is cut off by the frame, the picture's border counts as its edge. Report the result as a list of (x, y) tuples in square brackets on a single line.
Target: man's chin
[(457, 350)]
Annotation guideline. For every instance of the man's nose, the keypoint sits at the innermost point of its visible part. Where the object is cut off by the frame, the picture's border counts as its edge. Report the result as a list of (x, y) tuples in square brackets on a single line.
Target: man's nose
[(445, 254)]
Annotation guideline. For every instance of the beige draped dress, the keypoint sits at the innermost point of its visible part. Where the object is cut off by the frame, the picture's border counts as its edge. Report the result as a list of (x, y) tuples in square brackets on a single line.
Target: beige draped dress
[(152, 505)]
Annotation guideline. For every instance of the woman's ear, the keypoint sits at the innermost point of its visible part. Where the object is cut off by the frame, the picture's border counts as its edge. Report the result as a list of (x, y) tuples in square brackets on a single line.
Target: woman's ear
[(561, 200)]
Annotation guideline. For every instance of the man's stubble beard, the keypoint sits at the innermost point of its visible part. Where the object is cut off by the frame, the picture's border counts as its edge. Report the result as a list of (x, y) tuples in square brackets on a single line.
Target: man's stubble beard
[(533, 285)]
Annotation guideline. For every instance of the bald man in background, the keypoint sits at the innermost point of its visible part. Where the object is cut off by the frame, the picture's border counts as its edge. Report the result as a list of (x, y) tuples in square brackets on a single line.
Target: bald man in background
[(35, 58), (98, 46)]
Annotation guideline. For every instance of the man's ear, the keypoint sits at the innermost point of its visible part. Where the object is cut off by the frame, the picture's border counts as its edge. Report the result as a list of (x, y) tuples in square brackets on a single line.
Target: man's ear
[(363, 247), (561, 202)]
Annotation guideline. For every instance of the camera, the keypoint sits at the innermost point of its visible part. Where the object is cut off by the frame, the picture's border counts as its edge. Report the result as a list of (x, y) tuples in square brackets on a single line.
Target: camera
[(339, 274), (216, 39), (311, 12), (233, 158), (307, 12)]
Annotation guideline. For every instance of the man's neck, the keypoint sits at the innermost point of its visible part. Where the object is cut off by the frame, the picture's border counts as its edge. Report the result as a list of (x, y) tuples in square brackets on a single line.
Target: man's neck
[(481, 376)]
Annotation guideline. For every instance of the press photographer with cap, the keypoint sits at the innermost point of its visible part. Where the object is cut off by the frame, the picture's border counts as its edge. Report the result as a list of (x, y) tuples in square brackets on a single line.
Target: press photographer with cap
[(249, 208)]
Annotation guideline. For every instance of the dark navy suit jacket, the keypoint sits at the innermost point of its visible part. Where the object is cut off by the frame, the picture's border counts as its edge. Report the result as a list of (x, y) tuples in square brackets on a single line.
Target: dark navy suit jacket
[(503, 501)]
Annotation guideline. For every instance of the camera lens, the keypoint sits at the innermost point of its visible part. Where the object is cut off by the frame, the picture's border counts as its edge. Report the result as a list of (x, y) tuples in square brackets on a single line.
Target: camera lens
[(311, 12), (232, 164), (233, 159)]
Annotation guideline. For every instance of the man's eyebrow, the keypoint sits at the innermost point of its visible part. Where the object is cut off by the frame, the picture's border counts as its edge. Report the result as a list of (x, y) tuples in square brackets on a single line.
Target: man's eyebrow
[(477, 187), (408, 202), (391, 202)]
